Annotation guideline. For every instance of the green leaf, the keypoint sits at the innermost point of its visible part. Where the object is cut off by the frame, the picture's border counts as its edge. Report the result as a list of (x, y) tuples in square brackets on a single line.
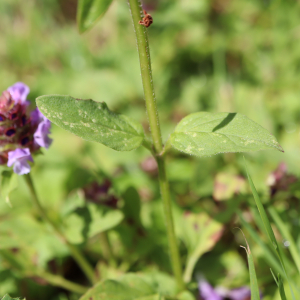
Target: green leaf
[(162, 283), (132, 205), (199, 233), (8, 183), (24, 232), (92, 121), (129, 287), (90, 220), (206, 134), (7, 297), (186, 295), (89, 12)]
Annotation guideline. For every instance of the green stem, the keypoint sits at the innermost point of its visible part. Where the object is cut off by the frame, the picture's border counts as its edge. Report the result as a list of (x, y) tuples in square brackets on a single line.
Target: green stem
[(59, 281), (77, 255), (107, 249), (146, 73), (173, 246), (55, 280)]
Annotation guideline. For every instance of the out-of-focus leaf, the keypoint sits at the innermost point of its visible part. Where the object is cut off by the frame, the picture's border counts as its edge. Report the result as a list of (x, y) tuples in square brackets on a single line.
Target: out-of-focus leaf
[(24, 232), (129, 287), (186, 295), (227, 185), (165, 285), (132, 205), (90, 220), (92, 121), (89, 12), (7, 297), (200, 233), (19, 231), (162, 283), (206, 134), (9, 182)]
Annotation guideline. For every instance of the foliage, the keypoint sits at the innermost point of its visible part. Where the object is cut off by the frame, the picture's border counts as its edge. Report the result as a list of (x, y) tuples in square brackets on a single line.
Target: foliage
[(205, 134), (89, 11), (92, 121), (214, 56)]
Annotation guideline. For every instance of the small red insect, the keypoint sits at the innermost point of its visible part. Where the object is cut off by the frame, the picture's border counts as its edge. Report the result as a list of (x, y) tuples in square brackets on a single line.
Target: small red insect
[(147, 20)]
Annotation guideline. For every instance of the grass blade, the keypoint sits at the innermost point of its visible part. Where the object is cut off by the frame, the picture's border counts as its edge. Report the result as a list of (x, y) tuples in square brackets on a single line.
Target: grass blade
[(287, 236), (288, 263), (267, 225), (262, 211), (253, 279), (268, 254), (281, 288), (274, 277)]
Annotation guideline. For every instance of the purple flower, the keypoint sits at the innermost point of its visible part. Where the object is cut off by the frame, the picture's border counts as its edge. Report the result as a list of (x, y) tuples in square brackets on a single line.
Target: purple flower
[(37, 116), (207, 292), (19, 92), (41, 135), (19, 158), (241, 293), (22, 132)]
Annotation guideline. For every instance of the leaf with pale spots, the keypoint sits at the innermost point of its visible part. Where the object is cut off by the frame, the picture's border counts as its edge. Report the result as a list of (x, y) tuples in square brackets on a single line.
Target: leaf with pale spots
[(92, 121), (205, 134), (89, 12)]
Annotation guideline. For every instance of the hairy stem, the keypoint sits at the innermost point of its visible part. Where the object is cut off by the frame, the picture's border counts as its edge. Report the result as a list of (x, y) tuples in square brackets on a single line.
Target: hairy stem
[(146, 73), (55, 280), (77, 255)]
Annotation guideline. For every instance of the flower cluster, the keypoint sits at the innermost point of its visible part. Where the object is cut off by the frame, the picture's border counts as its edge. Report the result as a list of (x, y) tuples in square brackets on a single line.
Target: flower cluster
[(280, 180), (22, 133), (99, 194)]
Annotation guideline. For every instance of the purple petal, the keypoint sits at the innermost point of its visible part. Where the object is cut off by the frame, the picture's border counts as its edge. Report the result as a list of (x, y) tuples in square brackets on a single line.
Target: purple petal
[(19, 158), (37, 116), (241, 293), (41, 134), (19, 92), (207, 292), (21, 167)]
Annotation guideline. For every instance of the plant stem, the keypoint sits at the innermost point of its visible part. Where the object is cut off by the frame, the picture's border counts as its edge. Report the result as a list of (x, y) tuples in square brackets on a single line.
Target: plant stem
[(55, 280), (152, 112), (107, 249), (173, 246), (77, 255), (62, 282)]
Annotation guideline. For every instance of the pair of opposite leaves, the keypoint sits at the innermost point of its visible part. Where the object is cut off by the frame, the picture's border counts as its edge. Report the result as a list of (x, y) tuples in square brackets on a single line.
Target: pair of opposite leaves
[(200, 134)]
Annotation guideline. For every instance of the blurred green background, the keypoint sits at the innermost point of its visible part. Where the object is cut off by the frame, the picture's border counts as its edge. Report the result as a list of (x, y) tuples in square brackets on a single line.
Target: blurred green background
[(211, 55)]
